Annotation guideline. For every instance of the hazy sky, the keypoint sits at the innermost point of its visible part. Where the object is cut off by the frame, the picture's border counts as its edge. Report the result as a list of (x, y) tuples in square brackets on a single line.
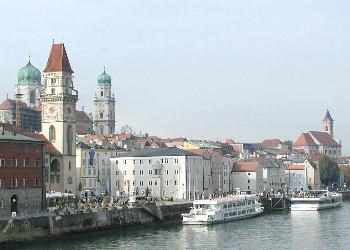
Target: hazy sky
[(246, 70)]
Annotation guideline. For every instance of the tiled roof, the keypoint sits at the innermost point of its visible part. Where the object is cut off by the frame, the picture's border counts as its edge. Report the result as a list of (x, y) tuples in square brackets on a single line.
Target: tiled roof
[(151, 152), (271, 142), (81, 116), (296, 166), (246, 166), (13, 136), (10, 104), (49, 146), (58, 60), (323, 138), (305, 140)]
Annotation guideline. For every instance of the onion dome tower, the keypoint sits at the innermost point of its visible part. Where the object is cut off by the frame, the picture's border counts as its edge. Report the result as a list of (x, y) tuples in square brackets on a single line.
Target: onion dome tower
[(104, 105), (29, 85)]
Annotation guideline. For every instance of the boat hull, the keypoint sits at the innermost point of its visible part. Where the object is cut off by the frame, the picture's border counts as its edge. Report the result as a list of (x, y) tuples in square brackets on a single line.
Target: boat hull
[(187, 221), (314, 207)]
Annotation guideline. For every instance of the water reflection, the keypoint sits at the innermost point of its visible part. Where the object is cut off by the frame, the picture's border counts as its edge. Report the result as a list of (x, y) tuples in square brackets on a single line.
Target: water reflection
[(328, 229)]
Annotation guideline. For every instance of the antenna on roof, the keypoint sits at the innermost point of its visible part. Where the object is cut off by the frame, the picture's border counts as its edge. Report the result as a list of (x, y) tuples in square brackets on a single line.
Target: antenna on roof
[(104, 68), (29, 58)]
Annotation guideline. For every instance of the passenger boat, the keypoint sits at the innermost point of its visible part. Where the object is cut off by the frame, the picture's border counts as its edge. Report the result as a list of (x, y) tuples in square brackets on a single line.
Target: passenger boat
[(316, 200), (230, 208)]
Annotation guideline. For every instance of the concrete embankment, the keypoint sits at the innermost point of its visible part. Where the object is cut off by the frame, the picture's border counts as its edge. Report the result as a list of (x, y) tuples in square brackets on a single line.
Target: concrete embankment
[(21, 229)]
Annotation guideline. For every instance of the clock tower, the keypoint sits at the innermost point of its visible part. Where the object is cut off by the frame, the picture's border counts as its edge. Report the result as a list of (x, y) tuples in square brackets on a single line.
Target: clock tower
[(58, 100)]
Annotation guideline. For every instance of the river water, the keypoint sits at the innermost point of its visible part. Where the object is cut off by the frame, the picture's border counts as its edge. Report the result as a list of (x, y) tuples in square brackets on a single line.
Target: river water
[(328, 229)]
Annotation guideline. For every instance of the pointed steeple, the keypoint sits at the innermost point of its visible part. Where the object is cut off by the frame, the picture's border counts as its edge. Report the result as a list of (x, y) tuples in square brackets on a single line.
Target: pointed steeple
[(58, 60), (328, 116)]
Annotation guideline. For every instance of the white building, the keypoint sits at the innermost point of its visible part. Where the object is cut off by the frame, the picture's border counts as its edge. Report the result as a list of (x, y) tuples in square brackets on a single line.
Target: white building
[(94, 168), (104, 103), (160, 172), (258, 175), (302, 176), (244, 175)]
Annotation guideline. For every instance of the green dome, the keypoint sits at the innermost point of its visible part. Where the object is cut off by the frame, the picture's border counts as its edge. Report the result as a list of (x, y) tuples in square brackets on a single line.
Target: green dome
[(104, 79), (29, 75)]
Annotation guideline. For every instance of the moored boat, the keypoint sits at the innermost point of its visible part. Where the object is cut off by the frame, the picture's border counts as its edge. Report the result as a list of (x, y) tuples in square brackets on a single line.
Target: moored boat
[(316, 200), (230, 208)]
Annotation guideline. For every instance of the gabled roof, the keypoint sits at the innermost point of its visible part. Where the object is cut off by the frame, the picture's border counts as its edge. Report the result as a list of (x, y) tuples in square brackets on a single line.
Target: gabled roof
[(11, 104), (305, 139), (58, 60), (151, 152), (82, 116), (296, 166), (246, 166), (328, 116), (323, 138), (271, 143)]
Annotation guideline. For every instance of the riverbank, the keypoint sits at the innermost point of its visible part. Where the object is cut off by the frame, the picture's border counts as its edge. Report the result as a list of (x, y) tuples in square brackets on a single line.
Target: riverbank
[(55, 226)]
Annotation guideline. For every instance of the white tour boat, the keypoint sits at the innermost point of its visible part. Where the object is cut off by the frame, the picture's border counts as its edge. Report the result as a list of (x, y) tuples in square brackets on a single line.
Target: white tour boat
[(315, 200), (233, 207)]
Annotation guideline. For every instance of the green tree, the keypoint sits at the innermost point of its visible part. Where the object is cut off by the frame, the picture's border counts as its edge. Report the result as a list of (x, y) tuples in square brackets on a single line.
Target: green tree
[(329, 171)]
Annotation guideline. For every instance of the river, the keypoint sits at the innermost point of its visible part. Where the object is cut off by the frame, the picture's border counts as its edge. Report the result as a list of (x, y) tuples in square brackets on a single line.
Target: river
[(328, 229)]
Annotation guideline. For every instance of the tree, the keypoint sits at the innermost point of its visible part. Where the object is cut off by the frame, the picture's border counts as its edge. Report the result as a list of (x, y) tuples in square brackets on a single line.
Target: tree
[(329, 171)]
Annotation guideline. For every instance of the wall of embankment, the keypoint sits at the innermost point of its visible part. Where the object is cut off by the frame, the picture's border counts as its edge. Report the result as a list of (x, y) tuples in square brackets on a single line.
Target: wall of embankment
[(21, 229)]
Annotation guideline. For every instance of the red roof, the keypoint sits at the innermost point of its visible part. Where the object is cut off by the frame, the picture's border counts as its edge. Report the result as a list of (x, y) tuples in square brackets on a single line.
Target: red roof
[(323, 138), (271, 143), (49, 146), (305, 140), (10, 104), (296, 166), (246, 166), (58, 60)]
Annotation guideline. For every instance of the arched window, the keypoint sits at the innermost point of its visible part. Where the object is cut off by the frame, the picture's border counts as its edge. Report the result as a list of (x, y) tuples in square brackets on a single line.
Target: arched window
[(69, 139), (70, 180), (52, 133), (32, 97), (55, 171)]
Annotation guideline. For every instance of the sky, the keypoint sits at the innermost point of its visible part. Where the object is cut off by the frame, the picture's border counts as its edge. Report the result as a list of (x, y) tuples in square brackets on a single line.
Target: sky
[(210, 69)]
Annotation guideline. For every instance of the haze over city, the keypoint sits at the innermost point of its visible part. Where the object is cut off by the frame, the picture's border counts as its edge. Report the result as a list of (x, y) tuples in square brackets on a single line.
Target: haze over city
[(200, 69)]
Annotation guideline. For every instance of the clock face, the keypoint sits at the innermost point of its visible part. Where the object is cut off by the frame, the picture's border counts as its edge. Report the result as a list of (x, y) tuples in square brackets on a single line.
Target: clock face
[(52, 110)]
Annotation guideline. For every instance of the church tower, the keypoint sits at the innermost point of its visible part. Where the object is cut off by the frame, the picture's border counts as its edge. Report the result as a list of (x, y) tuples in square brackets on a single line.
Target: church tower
[(104, 104), (29, 85), (328, 124), (58, 115)]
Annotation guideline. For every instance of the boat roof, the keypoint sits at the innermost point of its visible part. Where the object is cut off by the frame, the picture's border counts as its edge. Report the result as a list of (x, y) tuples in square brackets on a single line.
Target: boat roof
[(223, 200)]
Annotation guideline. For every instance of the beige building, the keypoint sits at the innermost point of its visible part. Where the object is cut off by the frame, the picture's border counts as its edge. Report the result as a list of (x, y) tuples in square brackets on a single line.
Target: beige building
[(58, 118)]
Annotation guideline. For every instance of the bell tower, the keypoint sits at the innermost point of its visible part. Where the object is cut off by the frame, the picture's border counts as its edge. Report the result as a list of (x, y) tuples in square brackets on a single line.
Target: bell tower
[(104, 105), (59, 100), (328, 124)]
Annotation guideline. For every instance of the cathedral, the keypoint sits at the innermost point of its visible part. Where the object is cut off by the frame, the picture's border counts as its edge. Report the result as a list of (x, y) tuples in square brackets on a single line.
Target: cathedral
[(47, 103), (319, 142)]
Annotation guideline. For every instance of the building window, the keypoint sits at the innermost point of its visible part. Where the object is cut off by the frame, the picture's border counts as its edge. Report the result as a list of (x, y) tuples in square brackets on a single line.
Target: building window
[(150, 171), (248, 187), (133, 172), (248, 173), (52, 133), (101, 115), (116, 162), (101, 93), (167, 182), (70, 139), (149, 161), (175, 183), (248, 181), (53, 91), (155, 183), (124, 172), (69, 166), (32, 97)]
